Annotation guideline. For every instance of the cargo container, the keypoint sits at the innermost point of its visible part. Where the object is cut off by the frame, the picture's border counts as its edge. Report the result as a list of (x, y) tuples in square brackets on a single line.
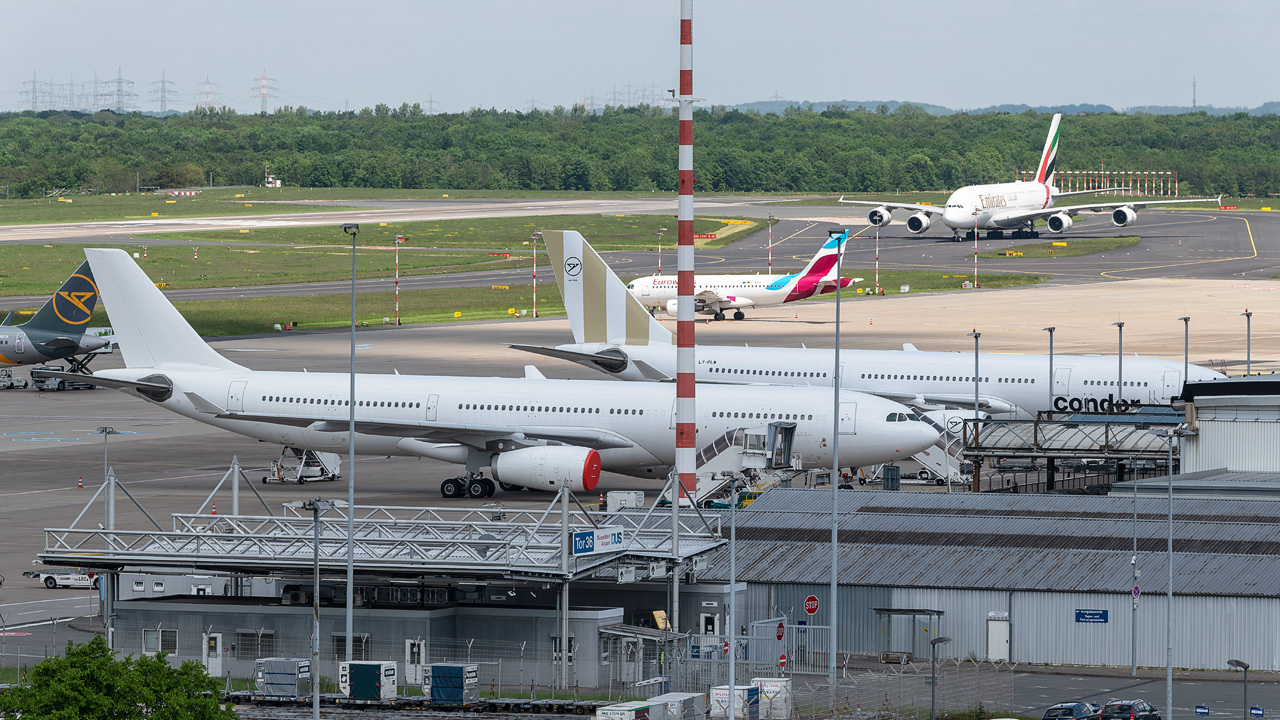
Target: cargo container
[(775, 698), (283, 678), (367, 680), (746, 705), (678, 706), (444, 684), (635, 710)]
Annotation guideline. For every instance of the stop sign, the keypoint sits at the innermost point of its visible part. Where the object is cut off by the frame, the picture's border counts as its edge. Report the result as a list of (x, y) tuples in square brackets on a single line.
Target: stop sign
[(781, 628), (726, 647), (782, 660), (811, 604)]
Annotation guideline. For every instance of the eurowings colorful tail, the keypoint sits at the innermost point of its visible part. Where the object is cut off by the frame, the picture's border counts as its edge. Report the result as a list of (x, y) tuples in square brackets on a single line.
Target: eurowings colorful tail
[(599, 307), (819, 273), (149, 330)]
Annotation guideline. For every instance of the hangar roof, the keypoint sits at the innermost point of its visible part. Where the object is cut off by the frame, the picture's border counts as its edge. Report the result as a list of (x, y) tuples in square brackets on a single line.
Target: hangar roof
[(1045, 542)]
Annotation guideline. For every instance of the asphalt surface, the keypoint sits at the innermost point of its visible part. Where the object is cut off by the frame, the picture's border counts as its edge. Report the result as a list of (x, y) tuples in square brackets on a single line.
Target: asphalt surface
[(1175, 243)]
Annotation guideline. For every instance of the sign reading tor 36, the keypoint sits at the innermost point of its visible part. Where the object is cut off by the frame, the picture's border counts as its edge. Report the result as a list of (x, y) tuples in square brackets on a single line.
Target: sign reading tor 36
[(605, 539)]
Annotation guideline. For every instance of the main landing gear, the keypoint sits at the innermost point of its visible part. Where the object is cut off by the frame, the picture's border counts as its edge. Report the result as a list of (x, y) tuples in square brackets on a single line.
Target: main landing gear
[(472, 485), (737, 315), (999, 235)]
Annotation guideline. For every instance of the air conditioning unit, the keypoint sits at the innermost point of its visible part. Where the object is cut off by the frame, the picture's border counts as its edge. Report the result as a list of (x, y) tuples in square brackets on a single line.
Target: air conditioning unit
[(296, 597)]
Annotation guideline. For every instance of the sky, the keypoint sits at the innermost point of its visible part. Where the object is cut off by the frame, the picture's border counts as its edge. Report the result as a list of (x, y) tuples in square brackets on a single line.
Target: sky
[(452, 56)]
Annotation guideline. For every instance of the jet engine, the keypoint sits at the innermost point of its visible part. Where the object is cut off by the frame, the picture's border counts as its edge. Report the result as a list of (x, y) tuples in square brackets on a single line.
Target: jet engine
[(1059, 223), (880, 216), (1123, 216), (918, 223), (548, 468)]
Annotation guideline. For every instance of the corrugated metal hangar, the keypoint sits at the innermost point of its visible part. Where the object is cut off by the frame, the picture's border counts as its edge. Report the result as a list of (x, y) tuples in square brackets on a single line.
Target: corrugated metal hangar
[(1051, 573)]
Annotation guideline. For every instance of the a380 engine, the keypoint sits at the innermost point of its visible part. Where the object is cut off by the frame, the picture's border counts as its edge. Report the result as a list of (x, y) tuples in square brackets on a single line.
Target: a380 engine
[(880, 216), (1123, 216), (548, 468), (918, 223), (1059, 223)]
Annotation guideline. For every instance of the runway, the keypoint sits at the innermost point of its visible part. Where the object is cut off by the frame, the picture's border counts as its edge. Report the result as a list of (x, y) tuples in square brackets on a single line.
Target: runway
[(1175, 243)]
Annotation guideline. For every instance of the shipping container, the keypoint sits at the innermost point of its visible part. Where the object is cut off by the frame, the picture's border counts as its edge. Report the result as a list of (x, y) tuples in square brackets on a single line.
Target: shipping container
[(367, 680), (775, 697), (746, 703), (451, 685), (283, 678)]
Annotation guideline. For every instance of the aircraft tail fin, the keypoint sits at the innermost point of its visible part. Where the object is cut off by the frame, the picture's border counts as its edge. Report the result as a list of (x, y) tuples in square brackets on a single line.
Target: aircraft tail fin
[(599, 306), (819, 276), (149, 329), (1049, 157), (70, 308)]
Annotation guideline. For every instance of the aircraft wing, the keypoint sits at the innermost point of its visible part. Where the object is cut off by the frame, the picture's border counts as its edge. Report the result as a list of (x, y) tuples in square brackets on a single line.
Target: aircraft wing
[(987, 402), (474, 435), (709, 296), (929, 210), (1010, 219)]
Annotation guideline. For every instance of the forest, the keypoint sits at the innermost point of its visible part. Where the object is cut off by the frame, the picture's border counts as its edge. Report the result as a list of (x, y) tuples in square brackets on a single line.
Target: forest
[(838, 150)]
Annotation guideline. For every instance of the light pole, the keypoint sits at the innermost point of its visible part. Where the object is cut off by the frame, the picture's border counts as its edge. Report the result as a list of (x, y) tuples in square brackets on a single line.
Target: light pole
[(1050, 331), (1245, 667), (316, 507), (976, 473), (975, 248), (399, 239), (353, 230), (1248, 342), (877, 260), (933, 674), (1186, 347), (730, 634), (660, 231), (843, 235), (1120, 363), (534, 239), (770, 247), (1168, 436)]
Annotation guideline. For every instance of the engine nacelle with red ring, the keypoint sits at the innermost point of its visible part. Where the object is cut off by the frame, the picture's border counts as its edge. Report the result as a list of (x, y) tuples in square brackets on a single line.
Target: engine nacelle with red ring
[(548, 468)]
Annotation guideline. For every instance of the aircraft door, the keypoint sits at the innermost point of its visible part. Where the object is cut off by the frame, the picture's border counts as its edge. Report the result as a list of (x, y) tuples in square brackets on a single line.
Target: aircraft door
[(673, 415), (213, 654), (1062, 382), (21, 339), (1172, 384), (235, 396), (432, 402), (848, 418)]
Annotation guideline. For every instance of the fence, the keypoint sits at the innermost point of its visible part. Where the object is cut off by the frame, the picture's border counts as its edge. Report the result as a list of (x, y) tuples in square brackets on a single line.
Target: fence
[(902, 692)]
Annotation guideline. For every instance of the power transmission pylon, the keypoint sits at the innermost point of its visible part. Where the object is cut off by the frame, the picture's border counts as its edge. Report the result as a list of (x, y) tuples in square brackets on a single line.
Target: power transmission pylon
[(125, 98), (207, 95), (263, 90), (162, 92)]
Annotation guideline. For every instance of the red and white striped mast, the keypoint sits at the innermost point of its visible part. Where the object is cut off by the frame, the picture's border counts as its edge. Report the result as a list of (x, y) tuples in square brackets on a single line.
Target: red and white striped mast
[(399, 240), (686, 417)]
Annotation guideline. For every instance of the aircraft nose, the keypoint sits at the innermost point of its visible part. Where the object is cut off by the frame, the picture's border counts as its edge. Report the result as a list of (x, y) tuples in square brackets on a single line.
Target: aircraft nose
[(913, 437)]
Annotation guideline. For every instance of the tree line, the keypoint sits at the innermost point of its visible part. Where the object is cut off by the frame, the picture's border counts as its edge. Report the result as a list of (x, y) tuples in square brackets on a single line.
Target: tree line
[(622, 148)]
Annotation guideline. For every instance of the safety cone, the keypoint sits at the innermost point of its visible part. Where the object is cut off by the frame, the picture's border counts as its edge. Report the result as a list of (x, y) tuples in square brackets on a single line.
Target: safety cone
[(80, 483), (602, 500), (871, 321), (215, 509), (797, 316)]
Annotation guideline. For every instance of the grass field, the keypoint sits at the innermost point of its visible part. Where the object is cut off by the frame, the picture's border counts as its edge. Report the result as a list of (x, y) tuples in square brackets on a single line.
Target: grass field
[(1074, 248), (40, 269), (91, 208), (891, 281), (604, 232)]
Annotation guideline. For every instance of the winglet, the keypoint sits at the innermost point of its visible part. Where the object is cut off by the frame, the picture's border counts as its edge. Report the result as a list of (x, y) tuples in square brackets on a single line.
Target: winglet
[(600, 308)]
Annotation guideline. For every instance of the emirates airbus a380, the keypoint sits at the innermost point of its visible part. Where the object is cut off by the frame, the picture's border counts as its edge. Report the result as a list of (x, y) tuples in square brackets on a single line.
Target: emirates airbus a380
[(1011, 206)]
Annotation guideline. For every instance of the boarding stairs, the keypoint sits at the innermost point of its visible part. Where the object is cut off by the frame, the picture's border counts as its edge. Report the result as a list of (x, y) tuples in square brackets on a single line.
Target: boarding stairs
[(943, 460)]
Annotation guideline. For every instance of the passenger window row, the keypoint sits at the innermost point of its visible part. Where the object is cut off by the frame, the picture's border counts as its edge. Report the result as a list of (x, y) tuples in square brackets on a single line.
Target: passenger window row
[(926, 378), (769, 373), (543, 408), (761, 416), (1112, 383), (342, 403)]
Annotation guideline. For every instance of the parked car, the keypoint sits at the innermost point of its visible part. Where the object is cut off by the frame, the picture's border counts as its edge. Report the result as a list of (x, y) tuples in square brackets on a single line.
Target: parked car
[(1075, 710), (1129, 710)]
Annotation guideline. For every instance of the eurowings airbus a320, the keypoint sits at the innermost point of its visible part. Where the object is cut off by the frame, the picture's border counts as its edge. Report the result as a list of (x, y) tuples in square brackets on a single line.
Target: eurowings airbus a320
[(1011, 206), (714, 294)]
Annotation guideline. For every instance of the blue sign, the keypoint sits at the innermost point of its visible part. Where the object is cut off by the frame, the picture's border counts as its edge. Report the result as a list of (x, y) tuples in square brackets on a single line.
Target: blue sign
[(1255, 711), (1092, 616), (598, 540), (695, 652), (1202, 709), (801, 623)]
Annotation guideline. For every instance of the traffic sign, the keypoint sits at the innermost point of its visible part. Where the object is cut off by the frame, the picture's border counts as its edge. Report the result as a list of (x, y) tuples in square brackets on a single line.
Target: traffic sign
[(1136, 592), (1202, 709), (781, 628), (782, 660), (811, 604), (1255, 711), (726, 647)]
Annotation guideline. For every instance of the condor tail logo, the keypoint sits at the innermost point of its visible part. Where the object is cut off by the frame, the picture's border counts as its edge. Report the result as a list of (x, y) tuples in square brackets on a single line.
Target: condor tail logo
[(71, 307), (1044, 174)]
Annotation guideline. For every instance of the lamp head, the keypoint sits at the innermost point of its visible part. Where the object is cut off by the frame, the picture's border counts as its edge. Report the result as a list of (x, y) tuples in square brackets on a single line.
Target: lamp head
[(940, 641), (1238, 664), (1118, 324), (1049, 329), (1185, 319)]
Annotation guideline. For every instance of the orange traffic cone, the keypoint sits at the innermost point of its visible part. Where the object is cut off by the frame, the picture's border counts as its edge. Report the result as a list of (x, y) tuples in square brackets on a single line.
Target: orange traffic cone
[(871, 321), (215, 509), (601, 499), (80, 483)]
